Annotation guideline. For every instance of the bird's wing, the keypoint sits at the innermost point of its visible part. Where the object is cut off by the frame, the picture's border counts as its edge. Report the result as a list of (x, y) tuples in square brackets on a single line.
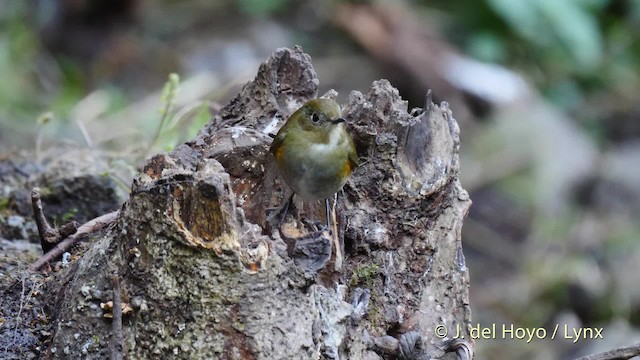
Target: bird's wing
[(354, 161), (277, 142)]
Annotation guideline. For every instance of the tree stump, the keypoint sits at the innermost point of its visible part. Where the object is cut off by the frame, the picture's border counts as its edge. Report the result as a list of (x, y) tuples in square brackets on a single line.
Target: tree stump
[(208, 275)]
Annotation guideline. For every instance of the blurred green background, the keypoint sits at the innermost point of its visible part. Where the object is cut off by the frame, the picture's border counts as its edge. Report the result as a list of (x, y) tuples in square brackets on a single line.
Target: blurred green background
[(545, 91)]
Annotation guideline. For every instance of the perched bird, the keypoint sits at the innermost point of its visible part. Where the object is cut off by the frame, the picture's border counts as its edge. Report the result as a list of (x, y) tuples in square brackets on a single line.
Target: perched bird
[(314, 153)]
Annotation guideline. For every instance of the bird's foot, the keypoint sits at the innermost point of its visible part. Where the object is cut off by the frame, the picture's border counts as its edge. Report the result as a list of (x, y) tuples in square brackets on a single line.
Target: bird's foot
[(277, 216), (316, 226)]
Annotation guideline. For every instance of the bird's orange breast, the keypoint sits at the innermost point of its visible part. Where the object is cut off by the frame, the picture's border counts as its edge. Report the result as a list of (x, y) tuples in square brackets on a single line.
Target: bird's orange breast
[(346, 169), (279, 152)]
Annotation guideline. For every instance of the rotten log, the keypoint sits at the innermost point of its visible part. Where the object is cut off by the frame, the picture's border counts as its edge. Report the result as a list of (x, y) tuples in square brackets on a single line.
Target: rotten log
[(209, 276)]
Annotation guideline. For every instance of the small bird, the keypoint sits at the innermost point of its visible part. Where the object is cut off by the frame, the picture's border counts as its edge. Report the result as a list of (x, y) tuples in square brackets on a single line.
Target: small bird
[(314, 153)]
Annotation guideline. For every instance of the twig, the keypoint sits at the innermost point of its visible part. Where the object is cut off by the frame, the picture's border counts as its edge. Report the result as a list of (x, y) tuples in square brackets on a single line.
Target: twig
[(48, 235), (623, 352), (89, 227), (116, 345)]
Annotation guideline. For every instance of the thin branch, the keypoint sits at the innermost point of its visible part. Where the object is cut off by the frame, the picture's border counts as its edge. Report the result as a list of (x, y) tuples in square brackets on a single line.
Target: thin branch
[(89, 227), (621, 353), (116, 345), (48, 235)]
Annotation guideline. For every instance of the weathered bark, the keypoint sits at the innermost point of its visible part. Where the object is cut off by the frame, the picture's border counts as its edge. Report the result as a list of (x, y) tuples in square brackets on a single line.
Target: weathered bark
[(209, 277)]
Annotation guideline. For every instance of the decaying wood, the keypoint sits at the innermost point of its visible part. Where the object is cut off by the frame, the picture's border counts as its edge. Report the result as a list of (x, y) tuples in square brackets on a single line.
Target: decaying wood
[(116, 344), (209, 276)]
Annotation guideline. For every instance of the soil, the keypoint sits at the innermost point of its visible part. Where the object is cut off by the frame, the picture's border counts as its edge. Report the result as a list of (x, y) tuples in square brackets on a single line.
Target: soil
[(25, 329)]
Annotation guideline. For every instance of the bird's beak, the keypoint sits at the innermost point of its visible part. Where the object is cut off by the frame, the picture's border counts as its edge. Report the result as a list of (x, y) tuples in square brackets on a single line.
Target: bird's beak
[(337, 121)]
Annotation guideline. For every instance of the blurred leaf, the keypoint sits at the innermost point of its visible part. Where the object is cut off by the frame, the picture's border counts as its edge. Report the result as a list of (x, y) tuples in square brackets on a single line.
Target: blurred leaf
[(622, 240), (634, 11), (520, 15), (521, 188), (17, 55), (576, 28), (566, 93), (261, 7), (44, 118), (170, 90), (200, 119), (487, 47), (595, 129), (545, 22)]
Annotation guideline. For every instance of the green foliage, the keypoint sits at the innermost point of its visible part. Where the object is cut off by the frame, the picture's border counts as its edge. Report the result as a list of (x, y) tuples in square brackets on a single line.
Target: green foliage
[(70, 90), (202, 116), (569, 26), (521, 188), (18, 54), (571, 49), (364, 274), (261, 7), (621, 240), (32, 80), (45, 118), (169, 92), (66, 217), (4, 203), (184, 123)]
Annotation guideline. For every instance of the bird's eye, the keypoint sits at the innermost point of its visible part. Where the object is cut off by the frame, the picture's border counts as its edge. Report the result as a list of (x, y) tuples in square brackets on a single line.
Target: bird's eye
[(315, 117)]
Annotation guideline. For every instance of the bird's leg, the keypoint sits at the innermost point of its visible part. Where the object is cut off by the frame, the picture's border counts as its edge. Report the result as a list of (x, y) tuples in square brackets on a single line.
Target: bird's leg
[(277, 216), (285, 209), (326, 205), (337, 243), (314, 225)]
